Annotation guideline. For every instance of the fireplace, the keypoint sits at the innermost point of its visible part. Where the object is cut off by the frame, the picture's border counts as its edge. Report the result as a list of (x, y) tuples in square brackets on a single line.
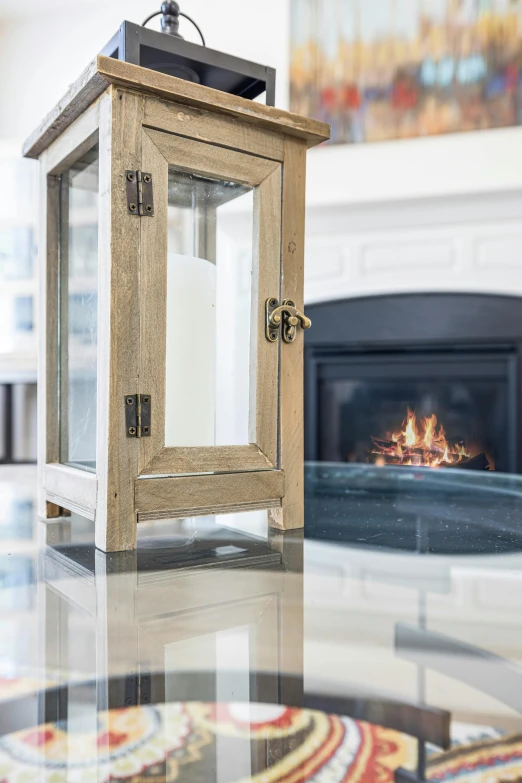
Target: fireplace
[(417, 379)]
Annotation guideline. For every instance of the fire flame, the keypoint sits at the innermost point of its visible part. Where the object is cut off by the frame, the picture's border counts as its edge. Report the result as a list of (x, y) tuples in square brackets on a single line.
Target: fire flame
[(419, 444)]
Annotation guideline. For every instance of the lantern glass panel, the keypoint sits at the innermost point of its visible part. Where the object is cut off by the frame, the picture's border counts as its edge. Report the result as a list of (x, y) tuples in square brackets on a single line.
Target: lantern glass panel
[(78, 315), (209, 280)]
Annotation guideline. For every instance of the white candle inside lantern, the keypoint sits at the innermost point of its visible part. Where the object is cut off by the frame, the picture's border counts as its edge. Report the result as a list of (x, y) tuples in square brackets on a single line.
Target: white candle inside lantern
[(191, 352)]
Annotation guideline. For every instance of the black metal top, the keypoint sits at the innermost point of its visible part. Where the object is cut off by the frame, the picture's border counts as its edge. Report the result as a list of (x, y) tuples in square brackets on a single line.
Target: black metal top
[(172, 55)]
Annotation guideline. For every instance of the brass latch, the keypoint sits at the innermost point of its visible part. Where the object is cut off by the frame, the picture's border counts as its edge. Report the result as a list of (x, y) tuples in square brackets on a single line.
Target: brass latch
[(137, 415), (286, 316)]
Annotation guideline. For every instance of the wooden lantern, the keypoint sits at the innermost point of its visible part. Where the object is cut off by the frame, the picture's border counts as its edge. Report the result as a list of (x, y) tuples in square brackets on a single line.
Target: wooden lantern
[(171, 291)]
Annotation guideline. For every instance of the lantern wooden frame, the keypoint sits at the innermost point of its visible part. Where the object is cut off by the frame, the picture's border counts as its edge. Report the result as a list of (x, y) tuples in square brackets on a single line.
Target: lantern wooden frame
[(145, 121)]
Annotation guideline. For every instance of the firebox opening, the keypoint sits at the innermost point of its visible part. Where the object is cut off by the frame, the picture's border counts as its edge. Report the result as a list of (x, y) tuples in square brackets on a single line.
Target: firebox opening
[(440, 410), (453, 356)]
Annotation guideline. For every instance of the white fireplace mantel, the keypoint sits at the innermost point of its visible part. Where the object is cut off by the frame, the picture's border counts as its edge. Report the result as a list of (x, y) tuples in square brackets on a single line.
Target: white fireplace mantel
[(438, 214)]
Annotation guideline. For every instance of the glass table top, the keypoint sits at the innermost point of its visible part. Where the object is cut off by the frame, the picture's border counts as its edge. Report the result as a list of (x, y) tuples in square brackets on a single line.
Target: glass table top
[(383, 643)]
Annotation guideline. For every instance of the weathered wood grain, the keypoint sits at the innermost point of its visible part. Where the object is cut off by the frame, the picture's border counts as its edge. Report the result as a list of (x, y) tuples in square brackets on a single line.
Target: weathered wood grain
[(291, 513), (75, 140), (212, 128), (179, 496), (84, 91), (195, 459), (121, 116), (210, 160), (264, 355), (103, 71), (153, 300), (205, 511)]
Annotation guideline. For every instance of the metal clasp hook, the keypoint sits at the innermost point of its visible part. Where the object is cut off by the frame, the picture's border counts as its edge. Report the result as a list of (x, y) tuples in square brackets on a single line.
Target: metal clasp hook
[(285, 315)]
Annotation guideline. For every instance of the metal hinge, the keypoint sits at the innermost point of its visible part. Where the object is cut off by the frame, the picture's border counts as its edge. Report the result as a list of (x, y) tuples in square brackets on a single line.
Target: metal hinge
[(140, 199), (137, 415)]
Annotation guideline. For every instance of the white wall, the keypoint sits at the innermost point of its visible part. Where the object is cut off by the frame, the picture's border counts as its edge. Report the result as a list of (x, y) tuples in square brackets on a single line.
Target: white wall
[(467, 243), (44, 46), (452, 165)]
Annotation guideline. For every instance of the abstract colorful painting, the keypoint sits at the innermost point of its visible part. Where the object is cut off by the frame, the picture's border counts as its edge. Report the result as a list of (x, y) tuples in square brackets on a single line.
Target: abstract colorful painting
[(391, 69)]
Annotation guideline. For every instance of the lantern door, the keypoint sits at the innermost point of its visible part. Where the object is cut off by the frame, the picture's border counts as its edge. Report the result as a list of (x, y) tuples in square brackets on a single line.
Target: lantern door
[(210, 261)]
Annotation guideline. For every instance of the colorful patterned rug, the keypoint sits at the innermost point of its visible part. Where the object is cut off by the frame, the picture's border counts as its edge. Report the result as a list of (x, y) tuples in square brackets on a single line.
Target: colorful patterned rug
[(243, 742)]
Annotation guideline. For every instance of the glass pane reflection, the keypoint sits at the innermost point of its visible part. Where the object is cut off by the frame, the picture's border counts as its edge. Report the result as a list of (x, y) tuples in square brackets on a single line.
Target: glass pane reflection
[(79, 311)]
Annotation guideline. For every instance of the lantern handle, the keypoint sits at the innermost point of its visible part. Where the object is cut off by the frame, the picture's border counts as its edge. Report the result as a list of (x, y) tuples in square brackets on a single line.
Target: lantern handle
[(171, 9)]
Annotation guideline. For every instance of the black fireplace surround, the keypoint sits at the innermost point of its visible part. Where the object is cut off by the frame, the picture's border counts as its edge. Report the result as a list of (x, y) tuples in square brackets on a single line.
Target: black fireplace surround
[(368, 360)]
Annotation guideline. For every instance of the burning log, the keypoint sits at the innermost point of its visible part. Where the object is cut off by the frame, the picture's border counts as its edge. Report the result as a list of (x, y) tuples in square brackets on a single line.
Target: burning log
[(383, 444), (426, 446), (478, 462)]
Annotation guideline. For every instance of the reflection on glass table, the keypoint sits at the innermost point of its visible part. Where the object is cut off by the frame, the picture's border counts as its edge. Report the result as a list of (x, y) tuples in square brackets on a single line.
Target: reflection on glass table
[(218, 652), (445, 511)]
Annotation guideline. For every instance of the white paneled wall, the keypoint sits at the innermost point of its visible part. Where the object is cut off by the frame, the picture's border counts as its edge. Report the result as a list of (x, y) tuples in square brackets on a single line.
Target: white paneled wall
[(462, 243)]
